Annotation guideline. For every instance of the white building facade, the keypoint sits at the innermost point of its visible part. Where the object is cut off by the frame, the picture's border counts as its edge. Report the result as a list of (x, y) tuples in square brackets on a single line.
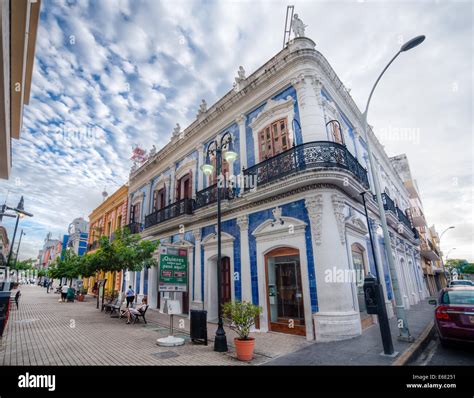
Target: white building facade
[(293, 242)]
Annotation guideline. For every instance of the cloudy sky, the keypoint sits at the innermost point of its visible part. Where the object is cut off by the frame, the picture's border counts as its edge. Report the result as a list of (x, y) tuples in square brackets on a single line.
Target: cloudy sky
[(113, 73)]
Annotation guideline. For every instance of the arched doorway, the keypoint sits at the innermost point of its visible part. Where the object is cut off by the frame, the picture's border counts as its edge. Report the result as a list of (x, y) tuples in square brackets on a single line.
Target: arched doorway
[(361, 269), (284, 291)]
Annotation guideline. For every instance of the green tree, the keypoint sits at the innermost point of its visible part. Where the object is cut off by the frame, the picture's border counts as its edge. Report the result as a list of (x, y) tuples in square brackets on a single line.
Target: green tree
[(456, 263), (126, 251)]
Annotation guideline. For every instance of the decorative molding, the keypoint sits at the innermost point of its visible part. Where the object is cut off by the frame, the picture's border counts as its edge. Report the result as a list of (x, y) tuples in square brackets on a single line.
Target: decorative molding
[(355, 223), (240, 119), (338, 204), (243, 222), (272, 109), (314, 206)]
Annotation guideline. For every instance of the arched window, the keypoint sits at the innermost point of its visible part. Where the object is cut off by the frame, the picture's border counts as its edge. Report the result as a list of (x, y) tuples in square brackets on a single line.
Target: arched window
[(273, 139), (336, 132), (184, 187), (212, 179)]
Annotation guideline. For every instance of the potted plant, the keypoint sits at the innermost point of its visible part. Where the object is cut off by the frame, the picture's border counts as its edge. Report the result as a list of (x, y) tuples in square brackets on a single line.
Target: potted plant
[(242, 315), (82, 294)]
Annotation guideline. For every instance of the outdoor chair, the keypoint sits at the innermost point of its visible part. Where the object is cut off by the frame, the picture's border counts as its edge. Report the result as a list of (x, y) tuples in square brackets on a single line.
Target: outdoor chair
[(115, 308), (111, 304), (141, 314)]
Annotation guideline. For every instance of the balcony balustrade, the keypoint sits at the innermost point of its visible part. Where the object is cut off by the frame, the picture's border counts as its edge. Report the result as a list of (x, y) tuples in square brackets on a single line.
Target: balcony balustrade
[(134, 227), (402, 217), (176, 209), (208, 196), (308, 156)]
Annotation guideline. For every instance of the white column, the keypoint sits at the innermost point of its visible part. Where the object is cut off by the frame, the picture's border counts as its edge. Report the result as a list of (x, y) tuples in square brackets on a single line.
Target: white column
[(310, 106), (197, 301), (200, 163), (245, 279), (242, 142), (337, 317), (142, 281)]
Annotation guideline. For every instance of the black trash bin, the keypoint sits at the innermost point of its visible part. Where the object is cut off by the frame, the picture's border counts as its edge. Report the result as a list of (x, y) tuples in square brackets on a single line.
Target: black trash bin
[(199, 326)]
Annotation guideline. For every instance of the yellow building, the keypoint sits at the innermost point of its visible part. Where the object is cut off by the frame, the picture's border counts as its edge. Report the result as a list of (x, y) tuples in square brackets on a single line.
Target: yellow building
[(104, 220)]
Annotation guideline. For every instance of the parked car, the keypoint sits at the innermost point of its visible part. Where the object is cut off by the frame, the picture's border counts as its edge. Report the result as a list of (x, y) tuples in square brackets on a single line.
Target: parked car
[(454, 314), (461, 282)]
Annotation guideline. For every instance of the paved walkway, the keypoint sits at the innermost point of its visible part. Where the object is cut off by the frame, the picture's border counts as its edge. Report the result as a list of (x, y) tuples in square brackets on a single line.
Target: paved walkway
[(364, 349), (46, 332)]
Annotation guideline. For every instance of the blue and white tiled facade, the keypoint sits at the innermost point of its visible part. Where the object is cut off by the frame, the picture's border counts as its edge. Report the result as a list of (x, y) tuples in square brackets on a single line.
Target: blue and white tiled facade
[(313, 211)]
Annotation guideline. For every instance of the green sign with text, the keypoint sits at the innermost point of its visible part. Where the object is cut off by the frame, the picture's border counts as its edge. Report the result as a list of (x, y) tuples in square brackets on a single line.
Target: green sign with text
[(173, 272)]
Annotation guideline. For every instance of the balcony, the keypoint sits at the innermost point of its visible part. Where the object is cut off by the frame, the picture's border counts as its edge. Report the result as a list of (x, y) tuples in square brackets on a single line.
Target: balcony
[(308, 156), (417, 216), (388, 203), (403, 218), (134, 227), (176, 209), (428, 250), (208, 196)]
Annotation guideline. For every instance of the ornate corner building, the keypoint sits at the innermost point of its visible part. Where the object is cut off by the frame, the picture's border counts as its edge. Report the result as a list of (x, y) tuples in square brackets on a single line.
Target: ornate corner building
[(294, 228)]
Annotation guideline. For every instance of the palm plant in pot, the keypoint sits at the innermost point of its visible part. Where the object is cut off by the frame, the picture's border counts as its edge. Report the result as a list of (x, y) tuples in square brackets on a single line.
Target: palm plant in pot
[(242, 315)]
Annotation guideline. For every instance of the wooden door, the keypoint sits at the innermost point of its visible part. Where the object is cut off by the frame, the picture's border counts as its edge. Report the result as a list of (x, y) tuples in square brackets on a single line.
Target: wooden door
[(226, 291)]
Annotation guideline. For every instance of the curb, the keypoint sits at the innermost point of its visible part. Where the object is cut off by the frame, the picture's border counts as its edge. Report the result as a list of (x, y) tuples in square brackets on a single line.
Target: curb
[(415, 348)]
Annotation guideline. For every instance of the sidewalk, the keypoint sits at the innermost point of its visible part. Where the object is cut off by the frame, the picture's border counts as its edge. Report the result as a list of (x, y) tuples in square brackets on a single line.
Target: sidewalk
[(364, 349), (47, 332)]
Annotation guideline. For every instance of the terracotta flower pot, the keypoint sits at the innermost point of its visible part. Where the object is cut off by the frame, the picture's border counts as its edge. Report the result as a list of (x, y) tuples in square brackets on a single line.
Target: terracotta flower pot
[(244, 348)]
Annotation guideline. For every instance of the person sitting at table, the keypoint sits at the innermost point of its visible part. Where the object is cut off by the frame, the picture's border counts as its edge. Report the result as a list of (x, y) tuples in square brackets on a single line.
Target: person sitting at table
[(135, 311)]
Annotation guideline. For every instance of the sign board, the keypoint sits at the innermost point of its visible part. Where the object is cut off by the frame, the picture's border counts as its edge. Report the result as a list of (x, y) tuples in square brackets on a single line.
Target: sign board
[(173, 275), (172, 307)]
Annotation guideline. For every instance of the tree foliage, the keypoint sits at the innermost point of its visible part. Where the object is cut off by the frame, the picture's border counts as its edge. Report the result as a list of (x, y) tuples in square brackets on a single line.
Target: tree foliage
[(126, 251), (23, 265)]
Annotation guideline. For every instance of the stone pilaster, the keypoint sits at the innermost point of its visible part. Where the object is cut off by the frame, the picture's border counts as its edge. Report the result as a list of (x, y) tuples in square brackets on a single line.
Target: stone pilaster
[(308, 91), (197, 290), (245, 278)]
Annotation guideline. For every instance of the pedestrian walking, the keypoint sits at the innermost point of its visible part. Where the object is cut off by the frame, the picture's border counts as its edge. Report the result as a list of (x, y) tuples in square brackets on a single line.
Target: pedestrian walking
[(17, 298), (130, 295), (64, 290)]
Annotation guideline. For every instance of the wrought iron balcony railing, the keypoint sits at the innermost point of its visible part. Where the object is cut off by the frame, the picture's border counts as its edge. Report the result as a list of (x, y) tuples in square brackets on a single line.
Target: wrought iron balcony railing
[(402, 217), (209, 195), (134, 227), (176, 209), (388, 203), (311, 155)]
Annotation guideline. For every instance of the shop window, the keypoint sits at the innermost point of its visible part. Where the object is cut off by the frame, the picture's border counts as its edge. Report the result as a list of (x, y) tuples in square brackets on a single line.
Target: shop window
[(273, 139)]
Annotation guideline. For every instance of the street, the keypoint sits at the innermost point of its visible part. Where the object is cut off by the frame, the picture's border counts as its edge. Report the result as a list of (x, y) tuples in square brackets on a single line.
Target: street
[(454, 355)]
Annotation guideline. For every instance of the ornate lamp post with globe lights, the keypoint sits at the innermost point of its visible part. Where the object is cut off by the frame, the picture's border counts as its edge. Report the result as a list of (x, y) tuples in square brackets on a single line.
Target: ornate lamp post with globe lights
[(222, 147)]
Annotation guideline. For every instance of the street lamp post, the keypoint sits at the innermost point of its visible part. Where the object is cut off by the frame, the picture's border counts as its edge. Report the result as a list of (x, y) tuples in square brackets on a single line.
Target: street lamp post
[(18, 249), (400, 309), (20, 213), (440, 236), (382, 312), (223, 148)]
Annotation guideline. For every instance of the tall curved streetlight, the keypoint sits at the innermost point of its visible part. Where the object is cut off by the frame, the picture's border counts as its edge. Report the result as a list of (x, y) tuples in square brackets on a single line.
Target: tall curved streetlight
[(222, 148), (440, 236), (400, 309)]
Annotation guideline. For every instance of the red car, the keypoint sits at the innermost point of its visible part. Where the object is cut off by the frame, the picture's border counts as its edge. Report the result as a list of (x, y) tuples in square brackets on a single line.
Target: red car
[(454, 314)]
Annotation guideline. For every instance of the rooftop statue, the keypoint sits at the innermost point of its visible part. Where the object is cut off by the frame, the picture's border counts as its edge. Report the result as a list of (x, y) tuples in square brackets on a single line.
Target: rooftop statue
[(176, 130), (202, 108), (298, 26)]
